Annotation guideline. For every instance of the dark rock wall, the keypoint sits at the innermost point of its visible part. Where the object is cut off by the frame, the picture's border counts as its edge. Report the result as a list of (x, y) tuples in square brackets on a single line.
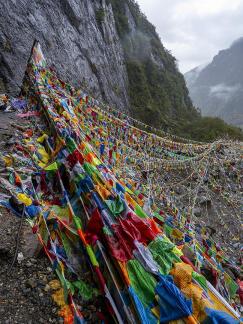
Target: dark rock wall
[(84, 48)]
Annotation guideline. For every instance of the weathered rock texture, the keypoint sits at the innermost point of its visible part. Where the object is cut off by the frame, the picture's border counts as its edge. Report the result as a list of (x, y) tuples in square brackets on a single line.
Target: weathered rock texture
[(84, 48), (106, 47)]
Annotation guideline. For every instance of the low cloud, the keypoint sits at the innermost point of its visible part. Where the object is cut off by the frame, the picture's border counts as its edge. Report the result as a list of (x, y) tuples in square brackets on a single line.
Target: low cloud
[(223, 91), (195, 30)]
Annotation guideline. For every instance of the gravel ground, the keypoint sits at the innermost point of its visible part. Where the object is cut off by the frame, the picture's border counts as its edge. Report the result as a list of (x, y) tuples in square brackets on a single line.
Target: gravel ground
[(25, 296)]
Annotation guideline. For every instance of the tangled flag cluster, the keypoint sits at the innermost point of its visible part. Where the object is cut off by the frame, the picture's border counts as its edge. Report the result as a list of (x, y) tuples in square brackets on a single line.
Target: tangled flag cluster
[(81, 176)]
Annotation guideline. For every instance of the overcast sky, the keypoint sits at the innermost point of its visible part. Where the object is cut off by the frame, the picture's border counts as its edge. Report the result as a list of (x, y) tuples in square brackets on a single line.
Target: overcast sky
[(195, 30)]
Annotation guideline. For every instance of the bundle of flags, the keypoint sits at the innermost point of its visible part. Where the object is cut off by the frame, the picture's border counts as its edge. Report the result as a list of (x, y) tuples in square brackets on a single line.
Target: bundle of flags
[(87, 217)]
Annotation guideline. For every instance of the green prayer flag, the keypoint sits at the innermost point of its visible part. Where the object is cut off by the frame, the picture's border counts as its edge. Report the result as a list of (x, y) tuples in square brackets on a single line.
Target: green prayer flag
[(159, 217), (141, 281), (163, 254), (200, 279), (107, 231), (139, 212), (92, 256), (168, 230), (128, 190), (51, 167), (115, 206), (232, 285), (85, 290), (77, 222), (71, 145)]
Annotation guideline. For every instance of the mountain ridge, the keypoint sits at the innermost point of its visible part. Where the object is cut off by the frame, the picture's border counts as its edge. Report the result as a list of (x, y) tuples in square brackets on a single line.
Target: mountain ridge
[(218, 88), (109, 49)]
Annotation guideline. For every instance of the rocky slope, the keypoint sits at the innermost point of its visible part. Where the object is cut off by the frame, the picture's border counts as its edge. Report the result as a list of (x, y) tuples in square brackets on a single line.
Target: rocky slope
[(111, 50), (217, 89), (71, 39), (25, 296), (107, 46)]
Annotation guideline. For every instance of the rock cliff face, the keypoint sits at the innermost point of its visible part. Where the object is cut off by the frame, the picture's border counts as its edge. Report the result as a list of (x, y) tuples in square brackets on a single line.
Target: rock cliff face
[(86, 50), (217, 89), (106, 46), (157, 90)]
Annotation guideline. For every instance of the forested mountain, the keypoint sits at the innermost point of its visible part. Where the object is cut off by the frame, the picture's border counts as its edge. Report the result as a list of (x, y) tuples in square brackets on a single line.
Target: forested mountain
[(217, 89), (107, 47)]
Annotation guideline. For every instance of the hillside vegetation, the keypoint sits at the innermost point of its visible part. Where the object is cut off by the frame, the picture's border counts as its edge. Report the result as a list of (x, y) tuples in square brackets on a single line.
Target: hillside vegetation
[(157, 90)]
